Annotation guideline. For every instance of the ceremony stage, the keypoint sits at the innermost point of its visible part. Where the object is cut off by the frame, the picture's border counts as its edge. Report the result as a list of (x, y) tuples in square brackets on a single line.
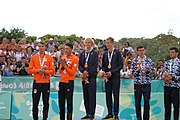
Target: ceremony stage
[(16, 100)]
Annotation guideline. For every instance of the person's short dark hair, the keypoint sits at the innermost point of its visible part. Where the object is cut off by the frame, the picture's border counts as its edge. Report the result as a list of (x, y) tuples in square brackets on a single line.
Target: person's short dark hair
[(19, 46), (175, 49), (127, 43), (128, 53), (13, 59), (23, 57), (111, 39), (161, 60), (125, 53), (8, 58), (31, 48), (105, 48), (55, 58), (95, 48), (32, 39), (56, 47), (140, 47), (69, 45), (129, 62)]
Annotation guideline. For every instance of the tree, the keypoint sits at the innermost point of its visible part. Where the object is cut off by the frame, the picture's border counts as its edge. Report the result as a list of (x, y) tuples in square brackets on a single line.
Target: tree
[(16, 33), (157, 48)]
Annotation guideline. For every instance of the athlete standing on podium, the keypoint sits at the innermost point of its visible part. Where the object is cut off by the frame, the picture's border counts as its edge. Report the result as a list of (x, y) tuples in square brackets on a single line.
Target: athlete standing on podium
[(67, 70), (88, 63), (171, 77), (41, 66), (112, 63), (142, 70)]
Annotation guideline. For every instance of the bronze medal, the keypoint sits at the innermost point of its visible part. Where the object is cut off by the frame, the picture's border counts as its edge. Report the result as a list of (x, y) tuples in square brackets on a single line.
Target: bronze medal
[(86, 65)]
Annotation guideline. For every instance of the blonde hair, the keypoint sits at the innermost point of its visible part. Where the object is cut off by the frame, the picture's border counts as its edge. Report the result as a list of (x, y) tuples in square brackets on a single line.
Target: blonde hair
[(90, 39)]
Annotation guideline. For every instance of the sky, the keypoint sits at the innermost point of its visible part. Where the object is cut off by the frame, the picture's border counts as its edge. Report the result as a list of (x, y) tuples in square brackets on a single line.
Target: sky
[(92, 18)]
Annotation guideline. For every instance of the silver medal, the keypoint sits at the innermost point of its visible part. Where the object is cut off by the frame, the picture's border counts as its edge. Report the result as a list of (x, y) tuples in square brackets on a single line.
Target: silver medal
[(64, 71)]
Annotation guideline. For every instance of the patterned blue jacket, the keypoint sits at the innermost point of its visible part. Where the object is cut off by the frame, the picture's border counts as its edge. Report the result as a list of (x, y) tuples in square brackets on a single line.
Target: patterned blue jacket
[(142, 77), (173, 67)]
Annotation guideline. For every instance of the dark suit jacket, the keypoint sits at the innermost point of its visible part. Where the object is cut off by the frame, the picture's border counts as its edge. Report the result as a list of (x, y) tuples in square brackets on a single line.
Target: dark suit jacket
[(92, 63), (116, 63)]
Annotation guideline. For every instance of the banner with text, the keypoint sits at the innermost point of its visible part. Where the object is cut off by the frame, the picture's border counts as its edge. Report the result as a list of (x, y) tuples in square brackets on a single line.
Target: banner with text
[(24, 84), (5, 105)]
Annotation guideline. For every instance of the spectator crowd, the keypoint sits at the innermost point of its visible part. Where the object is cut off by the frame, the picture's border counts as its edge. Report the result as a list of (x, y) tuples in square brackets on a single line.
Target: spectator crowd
[(15, 56)]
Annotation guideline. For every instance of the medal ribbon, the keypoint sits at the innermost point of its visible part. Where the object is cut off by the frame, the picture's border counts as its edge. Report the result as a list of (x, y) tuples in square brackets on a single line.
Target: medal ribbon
[(41, 61), (170, 65), (68, 63), (110, 58), (87, 56)]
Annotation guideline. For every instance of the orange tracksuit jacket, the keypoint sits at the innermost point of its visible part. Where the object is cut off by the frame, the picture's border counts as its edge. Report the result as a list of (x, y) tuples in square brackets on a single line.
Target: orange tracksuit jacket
[(34, 66), (69, 71)]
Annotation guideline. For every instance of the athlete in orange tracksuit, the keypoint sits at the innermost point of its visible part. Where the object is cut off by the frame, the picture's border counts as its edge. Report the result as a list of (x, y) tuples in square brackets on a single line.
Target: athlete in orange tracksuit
[(67, 69), (41, 66)]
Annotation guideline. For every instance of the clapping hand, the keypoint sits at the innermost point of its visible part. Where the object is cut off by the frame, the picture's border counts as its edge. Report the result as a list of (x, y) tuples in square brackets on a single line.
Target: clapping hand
[(43, 71), (105, 76), (138, 67), (109, 74), (63, 62), (85, 76), (166, 77)]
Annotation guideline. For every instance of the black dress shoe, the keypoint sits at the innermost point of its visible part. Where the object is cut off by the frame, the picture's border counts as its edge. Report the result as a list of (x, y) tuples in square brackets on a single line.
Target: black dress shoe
[(85, 117), (91, 117), (116, 117), (108, 117)]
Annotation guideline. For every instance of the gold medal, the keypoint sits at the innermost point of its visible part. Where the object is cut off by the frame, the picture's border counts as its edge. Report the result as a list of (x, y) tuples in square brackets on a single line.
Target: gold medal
[(86, 65), (109, 66)]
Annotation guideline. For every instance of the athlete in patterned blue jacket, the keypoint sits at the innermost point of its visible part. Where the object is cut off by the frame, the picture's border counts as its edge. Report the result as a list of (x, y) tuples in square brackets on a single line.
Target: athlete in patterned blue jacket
[(142, 70), (171, 77)]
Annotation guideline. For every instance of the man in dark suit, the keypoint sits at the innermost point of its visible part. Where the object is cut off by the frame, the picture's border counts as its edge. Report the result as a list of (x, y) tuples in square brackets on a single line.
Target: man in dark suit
[(88, 63), (112, 63)]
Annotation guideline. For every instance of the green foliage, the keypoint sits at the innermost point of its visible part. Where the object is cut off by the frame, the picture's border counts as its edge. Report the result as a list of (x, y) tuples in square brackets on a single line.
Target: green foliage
[(157, 48), (74, 38), (15, 33), (96, 41), (62, 39), (31, 37), (47, 37)]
